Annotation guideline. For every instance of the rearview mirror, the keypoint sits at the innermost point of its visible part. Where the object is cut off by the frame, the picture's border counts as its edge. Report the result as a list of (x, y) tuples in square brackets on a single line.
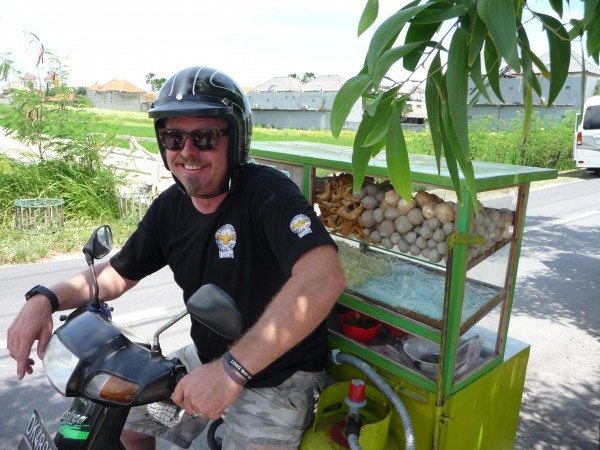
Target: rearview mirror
[(100, 243), (214, 308)]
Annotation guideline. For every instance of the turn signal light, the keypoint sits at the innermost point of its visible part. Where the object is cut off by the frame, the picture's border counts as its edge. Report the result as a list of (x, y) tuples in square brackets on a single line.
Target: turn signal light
[(111, 389), (579, 137)]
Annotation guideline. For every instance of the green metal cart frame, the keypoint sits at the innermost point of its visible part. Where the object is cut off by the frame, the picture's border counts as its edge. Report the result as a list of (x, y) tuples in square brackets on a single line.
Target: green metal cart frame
[(302, 160)]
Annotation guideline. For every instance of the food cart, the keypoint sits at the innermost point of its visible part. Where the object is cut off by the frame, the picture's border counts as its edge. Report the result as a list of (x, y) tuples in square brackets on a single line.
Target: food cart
[(430, 290)]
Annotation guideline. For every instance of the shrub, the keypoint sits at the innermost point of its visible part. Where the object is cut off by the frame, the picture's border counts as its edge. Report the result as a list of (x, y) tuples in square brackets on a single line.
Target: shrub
[(549, 143), (87, 195)]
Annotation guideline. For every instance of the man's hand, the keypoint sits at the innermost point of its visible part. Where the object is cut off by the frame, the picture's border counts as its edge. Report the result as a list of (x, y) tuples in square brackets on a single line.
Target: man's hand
[(34, 323), (207, 390)]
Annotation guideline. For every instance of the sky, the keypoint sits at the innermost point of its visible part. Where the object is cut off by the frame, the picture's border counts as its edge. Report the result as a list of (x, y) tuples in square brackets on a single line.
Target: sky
[(252, 41)]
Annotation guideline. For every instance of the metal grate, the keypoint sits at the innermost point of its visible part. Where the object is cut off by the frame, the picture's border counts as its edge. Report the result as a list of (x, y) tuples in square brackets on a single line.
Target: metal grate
[(134, 205), (39, 215)]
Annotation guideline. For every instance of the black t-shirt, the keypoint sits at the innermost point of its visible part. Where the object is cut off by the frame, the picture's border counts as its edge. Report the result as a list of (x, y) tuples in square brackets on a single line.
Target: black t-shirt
[(247, 247)]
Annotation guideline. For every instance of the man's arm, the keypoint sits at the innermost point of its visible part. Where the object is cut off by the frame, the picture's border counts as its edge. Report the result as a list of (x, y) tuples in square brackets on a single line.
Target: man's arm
[(34, 321), (302, 304)]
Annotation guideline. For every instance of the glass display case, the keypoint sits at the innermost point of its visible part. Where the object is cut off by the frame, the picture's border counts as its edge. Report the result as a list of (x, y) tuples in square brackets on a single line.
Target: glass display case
[(430, 279)]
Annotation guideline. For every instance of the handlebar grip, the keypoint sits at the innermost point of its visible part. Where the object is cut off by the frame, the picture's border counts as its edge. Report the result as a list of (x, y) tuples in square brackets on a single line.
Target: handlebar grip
[(180, 370)]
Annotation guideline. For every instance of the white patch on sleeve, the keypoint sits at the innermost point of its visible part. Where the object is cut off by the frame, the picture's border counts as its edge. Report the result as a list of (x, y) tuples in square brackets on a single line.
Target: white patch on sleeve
[(226, 237), (300, 225)]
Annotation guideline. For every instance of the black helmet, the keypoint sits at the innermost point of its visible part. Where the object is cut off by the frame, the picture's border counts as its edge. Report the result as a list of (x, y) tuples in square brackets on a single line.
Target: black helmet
[(206, 92)]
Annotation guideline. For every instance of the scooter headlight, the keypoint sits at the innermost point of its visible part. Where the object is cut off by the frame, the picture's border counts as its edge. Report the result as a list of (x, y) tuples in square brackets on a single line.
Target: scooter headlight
[(59, 363)]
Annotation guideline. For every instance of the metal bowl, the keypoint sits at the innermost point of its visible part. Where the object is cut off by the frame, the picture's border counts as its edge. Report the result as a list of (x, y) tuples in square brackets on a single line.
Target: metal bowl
[(425, 354)]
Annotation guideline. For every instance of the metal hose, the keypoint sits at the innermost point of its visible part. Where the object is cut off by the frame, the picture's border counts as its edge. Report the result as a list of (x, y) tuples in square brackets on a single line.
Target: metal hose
[(353, 442), (409, 438)]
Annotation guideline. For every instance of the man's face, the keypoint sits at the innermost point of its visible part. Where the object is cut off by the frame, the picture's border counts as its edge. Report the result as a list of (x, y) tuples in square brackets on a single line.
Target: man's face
[(202, 173)]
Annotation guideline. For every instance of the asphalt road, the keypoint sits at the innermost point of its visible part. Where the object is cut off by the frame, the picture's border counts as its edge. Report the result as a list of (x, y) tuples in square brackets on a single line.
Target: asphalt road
[(556, 310)]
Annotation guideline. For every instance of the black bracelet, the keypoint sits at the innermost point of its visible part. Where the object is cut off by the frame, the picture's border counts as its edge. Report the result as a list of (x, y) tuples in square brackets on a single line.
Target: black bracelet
[(51, 296), (232, 362), (233, 374)]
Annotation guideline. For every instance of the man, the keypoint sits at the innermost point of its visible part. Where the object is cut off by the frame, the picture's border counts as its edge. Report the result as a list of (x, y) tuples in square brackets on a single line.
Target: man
[(245, 228)]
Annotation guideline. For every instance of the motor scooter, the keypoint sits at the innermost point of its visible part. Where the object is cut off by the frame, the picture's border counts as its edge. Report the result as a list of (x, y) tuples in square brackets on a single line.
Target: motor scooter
[(91, 359)]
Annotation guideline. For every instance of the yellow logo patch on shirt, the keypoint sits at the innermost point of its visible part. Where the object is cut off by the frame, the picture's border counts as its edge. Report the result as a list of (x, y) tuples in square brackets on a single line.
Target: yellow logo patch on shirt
[(300, 225), (226, 237)]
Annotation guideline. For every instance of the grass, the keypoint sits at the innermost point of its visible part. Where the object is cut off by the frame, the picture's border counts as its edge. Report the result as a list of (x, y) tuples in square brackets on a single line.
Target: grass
[(18, 247)]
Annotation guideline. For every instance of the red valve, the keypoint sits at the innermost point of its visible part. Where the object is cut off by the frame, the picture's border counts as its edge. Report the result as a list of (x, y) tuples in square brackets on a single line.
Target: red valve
[(356, 392)]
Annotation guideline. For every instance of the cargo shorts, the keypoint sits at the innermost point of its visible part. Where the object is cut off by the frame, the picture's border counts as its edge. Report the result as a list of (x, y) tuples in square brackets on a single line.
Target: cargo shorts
[(260, 419)]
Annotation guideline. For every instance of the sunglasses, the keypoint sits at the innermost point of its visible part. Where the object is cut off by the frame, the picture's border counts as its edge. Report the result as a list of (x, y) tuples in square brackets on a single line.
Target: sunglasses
[(203, 139)]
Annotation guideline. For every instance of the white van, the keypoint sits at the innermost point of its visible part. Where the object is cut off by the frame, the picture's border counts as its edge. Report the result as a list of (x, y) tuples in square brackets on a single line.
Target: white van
[(586, 148)]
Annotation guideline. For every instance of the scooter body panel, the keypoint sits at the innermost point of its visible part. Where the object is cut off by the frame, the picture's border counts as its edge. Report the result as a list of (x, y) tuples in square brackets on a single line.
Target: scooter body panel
[(90, 426)]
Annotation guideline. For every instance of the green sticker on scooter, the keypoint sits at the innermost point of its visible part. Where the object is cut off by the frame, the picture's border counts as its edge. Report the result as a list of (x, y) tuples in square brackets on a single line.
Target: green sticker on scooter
[(73, 432)]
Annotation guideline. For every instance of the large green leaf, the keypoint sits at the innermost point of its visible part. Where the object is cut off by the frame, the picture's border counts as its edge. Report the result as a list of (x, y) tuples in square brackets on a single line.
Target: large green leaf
[(375, 103), (589, 9), (527, 110), (457, 76), (526, 61), (592, 29), (492, 66), (433, 104), (535, 84), (418, 33), (501, 21), (529, 77), (437, 15), (361, 155), (368, 16), (388, 31), (464, 161), (345, 99), (451, 163), (449, 156), (387, 60), (560, 54), (376, 148), (557, 5), (474, 99), (527, 89), (396, 154), (576, 30), (435, 74), (478, 79), (381, 118), (539, 64), (478, 33)]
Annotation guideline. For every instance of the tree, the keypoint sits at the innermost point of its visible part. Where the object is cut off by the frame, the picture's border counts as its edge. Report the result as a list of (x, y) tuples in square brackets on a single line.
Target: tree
[(452, 40), (308, 76), (6, 65), (50, 126), (154, 83)]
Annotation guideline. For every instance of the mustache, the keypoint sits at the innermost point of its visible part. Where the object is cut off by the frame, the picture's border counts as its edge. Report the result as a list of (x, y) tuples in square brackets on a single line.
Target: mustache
[(192, 161)]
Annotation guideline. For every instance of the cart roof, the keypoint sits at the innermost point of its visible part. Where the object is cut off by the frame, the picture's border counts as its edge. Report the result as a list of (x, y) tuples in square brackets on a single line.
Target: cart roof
[(424, 169)]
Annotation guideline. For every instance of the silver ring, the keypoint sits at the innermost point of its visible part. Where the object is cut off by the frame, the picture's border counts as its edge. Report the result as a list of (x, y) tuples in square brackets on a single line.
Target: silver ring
[(196, 414)]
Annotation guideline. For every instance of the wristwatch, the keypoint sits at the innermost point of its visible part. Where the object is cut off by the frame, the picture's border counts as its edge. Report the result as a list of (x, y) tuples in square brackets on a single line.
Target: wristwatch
[(51, 296)]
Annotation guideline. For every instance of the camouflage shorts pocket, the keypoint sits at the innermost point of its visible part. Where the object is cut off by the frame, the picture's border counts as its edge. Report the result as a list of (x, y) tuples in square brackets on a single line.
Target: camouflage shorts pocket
[(272, 418)]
